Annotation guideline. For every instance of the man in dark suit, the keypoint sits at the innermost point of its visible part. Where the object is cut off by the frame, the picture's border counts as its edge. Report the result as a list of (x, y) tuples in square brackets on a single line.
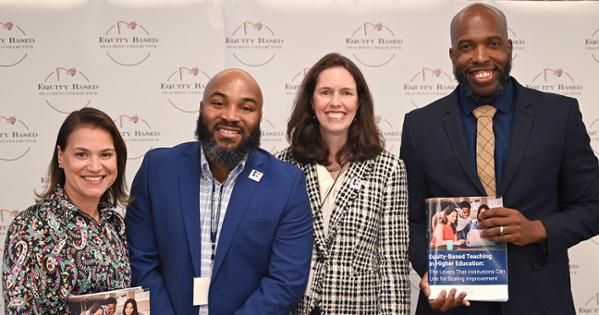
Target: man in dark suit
[(220, 225), (545, 170)]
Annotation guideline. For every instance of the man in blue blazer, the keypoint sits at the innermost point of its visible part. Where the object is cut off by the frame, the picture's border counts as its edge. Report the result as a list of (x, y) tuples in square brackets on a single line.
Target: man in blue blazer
[(545, 170), (219, 225)]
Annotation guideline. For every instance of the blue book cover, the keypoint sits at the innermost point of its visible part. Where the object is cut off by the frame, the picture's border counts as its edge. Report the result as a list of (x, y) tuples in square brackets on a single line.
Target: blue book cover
[(458, 256)]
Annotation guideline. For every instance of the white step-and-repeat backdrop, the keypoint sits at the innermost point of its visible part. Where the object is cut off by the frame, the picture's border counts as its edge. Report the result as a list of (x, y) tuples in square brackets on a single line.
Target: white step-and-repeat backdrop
[(146, 63)]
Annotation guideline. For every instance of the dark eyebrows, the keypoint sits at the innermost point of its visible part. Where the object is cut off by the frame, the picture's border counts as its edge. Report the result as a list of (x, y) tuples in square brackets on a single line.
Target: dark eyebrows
[(490, 38), (496, 37), (86, 150), (462, 41), (245, 99), (250, 99), (217, 93)]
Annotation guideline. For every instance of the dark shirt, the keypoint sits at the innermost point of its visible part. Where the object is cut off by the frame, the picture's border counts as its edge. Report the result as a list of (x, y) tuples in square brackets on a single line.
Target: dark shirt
[(502, 125), (54, 250)]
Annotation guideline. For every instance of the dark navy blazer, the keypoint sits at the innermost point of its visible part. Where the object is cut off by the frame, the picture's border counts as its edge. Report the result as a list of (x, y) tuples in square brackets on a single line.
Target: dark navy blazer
[(551, 174)]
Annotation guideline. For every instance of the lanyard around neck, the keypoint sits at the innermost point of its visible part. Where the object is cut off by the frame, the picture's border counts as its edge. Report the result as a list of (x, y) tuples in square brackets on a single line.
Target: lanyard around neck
[(215, 216), (326, 196)]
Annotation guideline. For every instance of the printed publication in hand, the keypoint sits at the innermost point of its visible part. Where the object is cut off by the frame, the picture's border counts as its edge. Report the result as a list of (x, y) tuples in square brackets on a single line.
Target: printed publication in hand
[(458, 256), (99, 303)]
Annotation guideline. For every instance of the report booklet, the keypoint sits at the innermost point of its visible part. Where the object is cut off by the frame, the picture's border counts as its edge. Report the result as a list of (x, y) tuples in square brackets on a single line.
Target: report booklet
[(458, 256), (123, 301)]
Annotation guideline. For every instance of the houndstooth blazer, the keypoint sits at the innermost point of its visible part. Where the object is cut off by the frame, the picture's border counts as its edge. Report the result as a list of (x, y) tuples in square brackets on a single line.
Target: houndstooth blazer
[(361, 266)]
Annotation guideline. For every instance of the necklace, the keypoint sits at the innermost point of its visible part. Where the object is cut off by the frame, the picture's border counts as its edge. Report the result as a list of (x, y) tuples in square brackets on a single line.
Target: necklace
[(334, 169)]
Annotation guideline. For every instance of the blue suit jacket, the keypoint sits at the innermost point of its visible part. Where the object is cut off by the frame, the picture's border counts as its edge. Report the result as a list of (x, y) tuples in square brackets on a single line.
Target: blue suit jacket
[(264, 249), (551, 174)]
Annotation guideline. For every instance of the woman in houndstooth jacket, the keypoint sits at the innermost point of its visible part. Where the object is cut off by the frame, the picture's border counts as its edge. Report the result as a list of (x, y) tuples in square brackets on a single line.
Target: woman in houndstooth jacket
[(358, 195)]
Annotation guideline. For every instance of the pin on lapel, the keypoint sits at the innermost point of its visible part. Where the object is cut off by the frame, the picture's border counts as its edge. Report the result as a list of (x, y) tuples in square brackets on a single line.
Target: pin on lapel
[(256, 176), (355, 183)]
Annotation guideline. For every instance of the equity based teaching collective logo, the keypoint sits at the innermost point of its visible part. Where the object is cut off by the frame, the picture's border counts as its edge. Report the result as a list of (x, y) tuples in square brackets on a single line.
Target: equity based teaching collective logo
[(292, 86), (15, 44), (138, 135), (556, 81), (391, 132), (591, 305), (272, 138), (184, 88), (254, 44), (6, 216), (67, 89), (128, 43), (518, 44), (428, 84), (16, 138), (373, 44), (592, 45)]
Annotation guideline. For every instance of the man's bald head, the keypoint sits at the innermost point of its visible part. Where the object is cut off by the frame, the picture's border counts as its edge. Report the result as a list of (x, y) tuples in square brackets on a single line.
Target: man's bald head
[(478, 10), (231, 75)]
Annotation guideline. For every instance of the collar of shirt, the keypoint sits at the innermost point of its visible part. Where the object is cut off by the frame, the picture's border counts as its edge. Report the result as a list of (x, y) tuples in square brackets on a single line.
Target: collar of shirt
[(503, 102), (69, 210), (207, 174)]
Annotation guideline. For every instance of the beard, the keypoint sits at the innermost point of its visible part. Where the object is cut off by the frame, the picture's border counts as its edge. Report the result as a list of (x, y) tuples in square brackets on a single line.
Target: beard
[(504, 75), (225, 157)]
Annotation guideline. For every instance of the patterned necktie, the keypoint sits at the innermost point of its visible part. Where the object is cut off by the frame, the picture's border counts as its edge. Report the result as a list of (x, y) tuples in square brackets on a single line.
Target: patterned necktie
[(485, 147)]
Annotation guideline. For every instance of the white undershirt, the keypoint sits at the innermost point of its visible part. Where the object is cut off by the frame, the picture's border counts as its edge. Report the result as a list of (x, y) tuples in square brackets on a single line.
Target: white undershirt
[(325, 184), (325, 181)]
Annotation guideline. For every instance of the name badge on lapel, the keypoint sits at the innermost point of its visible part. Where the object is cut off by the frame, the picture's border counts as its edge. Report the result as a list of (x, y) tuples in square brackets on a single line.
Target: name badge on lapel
[(256, 176), (355, 183)]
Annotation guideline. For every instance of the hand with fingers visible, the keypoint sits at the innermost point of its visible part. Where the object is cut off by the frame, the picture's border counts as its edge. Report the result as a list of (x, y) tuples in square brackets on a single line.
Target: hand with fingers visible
[(511, 226), (444, 301)]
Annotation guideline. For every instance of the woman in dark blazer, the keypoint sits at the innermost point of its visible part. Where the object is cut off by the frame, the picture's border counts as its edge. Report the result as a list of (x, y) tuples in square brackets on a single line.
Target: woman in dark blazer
[(358, 195)]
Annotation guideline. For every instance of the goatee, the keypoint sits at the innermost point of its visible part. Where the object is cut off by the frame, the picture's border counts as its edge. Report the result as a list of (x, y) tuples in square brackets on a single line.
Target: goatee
[(504, 75), (224, 157)]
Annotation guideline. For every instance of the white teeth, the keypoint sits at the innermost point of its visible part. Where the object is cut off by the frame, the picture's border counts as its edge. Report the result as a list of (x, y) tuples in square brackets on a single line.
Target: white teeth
[(335, 115), (482, 74), (93, 178), (229, 131)]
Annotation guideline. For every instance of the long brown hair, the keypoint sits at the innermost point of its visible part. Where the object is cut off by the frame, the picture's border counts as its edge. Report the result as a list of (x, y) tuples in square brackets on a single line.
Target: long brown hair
[(364, 140), (446, 212), (87, 116)]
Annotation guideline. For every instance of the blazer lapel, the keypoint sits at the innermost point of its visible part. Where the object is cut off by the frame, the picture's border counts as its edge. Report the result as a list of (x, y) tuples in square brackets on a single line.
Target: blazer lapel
[(352, 184), (523, 121), (314, 194), (454, 128), (189, 190), (242, 194)]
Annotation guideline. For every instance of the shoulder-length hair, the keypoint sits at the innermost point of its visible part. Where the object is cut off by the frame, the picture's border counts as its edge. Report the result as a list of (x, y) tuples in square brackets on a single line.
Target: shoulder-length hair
[(87, 116), (446, 212), (364, 140)]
